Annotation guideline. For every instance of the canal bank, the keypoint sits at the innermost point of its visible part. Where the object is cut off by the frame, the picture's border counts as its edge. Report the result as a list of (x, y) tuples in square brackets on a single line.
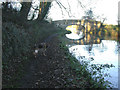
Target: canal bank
[(57, 69), (101, 60), (99, 52), (53, 67)]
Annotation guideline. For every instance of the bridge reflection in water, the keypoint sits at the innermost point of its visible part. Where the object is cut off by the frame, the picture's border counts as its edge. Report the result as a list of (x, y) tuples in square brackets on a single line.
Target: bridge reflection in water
[(95, 31), (95, 38), (98, 47)]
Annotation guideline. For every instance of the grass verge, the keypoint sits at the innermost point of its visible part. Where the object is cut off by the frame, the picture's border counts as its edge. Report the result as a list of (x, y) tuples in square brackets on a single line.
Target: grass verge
[(81, 70), (18, 46)]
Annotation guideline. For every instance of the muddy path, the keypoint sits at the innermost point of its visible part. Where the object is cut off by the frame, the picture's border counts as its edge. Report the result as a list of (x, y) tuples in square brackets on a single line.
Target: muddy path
[(46, 71), (52, 70)]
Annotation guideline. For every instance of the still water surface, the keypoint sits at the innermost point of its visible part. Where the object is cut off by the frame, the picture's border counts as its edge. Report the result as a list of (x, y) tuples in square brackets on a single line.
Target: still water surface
[(100, 52)]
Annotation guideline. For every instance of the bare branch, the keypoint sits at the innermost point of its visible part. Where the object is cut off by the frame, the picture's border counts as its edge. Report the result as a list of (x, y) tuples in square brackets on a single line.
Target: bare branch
[(59, 6), (62, 6), (81, 4), (69, 8)]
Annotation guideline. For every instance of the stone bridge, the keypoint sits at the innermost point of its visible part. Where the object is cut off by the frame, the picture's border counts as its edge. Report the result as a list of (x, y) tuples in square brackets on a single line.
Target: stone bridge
[(95, 32), (90, 25)]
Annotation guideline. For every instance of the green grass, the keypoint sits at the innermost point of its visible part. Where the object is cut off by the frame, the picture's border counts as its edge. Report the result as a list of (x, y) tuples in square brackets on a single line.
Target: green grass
[(18, 45), (81, 70)]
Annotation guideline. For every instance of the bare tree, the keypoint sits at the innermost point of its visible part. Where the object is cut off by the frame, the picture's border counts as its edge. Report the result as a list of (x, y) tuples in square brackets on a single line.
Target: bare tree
[(62, 7)]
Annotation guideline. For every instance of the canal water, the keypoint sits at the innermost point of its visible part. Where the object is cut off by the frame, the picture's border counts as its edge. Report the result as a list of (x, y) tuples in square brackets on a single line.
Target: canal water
[(100, 54)]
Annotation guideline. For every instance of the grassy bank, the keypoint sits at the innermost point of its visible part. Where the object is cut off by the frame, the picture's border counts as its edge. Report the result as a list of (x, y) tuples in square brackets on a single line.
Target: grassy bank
[(18, 44), (81, 71)]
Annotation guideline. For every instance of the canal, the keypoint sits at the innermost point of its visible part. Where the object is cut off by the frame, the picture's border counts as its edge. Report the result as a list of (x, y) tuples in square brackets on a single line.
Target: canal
[(99, 51)]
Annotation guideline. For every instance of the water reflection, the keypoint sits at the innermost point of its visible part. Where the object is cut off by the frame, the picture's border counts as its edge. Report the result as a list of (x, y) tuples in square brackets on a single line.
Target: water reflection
[(104, 53), (99, 48)]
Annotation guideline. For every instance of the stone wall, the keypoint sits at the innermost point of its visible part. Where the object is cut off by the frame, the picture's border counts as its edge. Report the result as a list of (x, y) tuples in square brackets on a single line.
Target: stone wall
[(89, 25)]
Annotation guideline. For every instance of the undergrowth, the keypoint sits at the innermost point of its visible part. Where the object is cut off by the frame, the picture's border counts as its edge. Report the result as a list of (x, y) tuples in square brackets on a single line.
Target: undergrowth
[(82, 70), (18, 44)]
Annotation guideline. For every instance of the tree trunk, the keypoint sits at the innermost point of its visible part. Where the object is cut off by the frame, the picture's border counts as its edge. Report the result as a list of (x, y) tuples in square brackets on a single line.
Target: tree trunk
[(44, 9)]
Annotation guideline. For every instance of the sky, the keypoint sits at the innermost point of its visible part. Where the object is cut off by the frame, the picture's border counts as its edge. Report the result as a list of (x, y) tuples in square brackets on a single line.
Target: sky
[(104, 8)]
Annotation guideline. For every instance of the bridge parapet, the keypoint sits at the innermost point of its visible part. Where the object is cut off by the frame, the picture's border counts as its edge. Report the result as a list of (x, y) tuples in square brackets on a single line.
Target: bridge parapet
[(89, 24)]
